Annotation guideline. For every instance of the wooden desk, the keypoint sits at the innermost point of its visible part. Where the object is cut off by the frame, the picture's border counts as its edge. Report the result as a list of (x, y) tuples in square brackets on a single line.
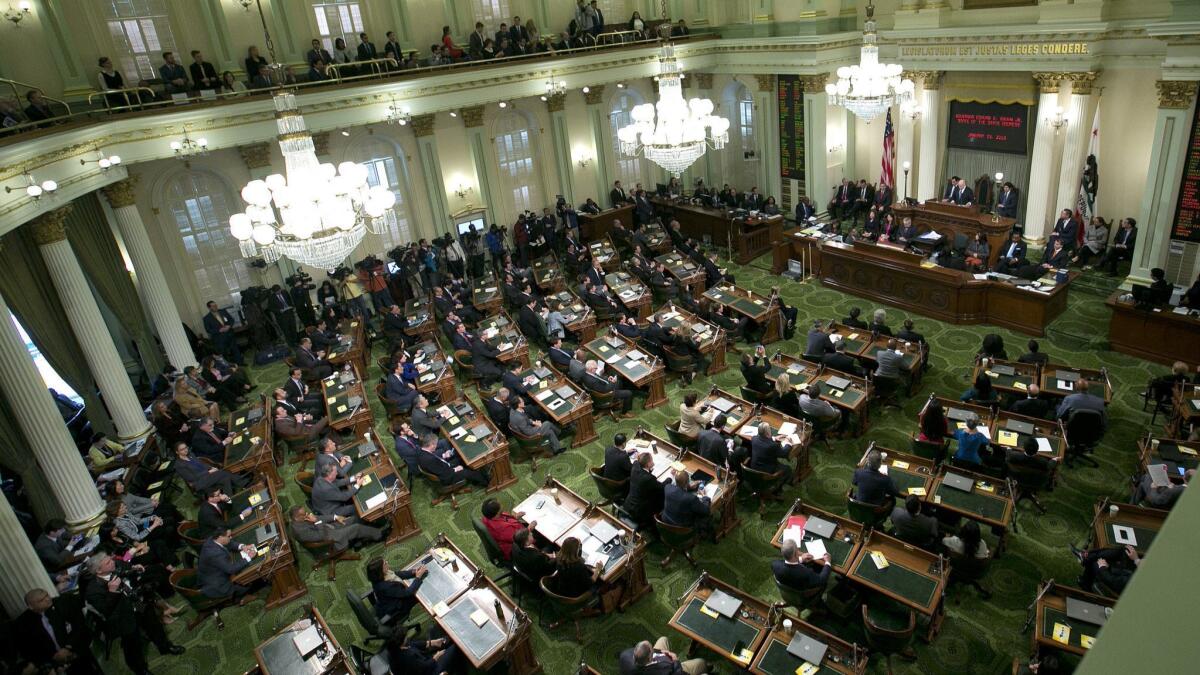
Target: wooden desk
[(596, 225), (915, 578), (645, 372), (547, 274), (1178, 456), (252, 447), (459, 418), (1050, 430), (865, 345), (602, 250), (581, 320), (259, 498), (747, 236), (352, 348), (575, 408), (376, 501), (990, 501), (843, 546), (560, 514), (486, 295), (907, 471), (950, 220), (346, 403), (275, 562), (435, 372), (1186, 413), (657, 237), (1098, 382), (724, 500), (803, 246), (1017, 384), (898, 278), (1143, 521), (1051, 609), (741, 411), (688, 274), (1157, 335), (746, 631), (712, 339), (773, 658), (799, 439), (759, 309), (852, 400), (629, 292), (418, 314), (457, 584), (505, 337), (277, 655)]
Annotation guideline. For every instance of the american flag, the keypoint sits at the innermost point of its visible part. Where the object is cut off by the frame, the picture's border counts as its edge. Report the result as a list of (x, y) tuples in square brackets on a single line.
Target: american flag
[(889, 153)]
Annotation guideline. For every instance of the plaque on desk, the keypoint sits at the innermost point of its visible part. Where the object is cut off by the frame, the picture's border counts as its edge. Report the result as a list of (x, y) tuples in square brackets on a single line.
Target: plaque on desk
[(1000, 369), (1086, 611), (804, 647), (1019, 427), (958, 482), (722, 603), (820, 527), (1067, 375), (837, 382)]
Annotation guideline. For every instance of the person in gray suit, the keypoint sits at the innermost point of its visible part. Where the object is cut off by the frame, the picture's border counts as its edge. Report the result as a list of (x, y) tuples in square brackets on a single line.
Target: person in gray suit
[(219, 560), (54, 545), (913, 527), (1082, 400), (423, 420), (519, 422), (576, 368), (888, 362), (333, 496), (341, 532), (329, 456)]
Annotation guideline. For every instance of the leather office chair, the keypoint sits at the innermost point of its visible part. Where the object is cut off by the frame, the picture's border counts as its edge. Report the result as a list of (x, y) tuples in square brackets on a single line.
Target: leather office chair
[(531, 447), (679, 539), (1084, 429), (870, 515), (185, 583), (305, 479), (756, 396), (466, 371), (763, 485), (889, 631), (605, 402), (568, 609), (613, 491), (394, 413), (442, 491), (970, 570), (929, 449), (185, 531), (377, 628), (1030, 482), (801, 600), (325, 555), (680, 364), (491, 548)]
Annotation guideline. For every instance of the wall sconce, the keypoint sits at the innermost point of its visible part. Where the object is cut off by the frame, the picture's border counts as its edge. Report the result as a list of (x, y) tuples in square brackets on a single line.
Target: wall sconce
[(245, 4), (190, 147), (583, 161), (836, 148), (105, 162), (1056, 119), (463, 190), (18, 13), (398, 115), (912, 111), (33, 189)]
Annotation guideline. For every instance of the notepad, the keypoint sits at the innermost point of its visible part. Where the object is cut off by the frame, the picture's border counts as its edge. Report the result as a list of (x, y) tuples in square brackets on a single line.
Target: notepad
[(543, 395), (1062, 633), (879, 559), (815, 547), (440, 609), (479, 617), (1066, 386), (1044, 446), (375, 501), (708, 612), (1007, 439), (899, 464), (916, 491)]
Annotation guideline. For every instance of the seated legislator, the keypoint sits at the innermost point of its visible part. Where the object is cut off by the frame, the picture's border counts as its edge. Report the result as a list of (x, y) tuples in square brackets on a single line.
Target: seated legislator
[(873, 487), (933, 424), (532, 561), (441, 460), (971, 443), (795, 571), (572, 577), (297, 393), (340, 531), (819, 343), (313, 363), (1082, 400), (423, 420), (645, 497), (657, 659), (401, 393), (1033, 405), (691, 416), (214, 514), (682, 506), (1065, 230), (912, 526), (298, 426), (1122, 247), (1027, 457), (1095, 241), (1012, 255), (755, 368), (522, 423), (394, 599), (1113, 566), (334, 496), (1160, 496), (210, 441), (968, 542), (977, 253), (838, 360), (501, 525), (220, 558), (713, 444), (618, 464), (853, 319), (200, 476), (765, 451), (879, 323), (1034, 355), (594, 380)]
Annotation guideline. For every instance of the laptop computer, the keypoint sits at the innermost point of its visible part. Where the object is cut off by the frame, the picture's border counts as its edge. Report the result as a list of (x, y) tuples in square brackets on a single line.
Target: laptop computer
[(960, 415), (1085, 611), (265, 533), (1067, 375), (480, 431), (958, 482), (308, 641), (541, 373), (254, 415), (703, 476), (722, 404), (820, 527), (804, 647), (723, 603), (462, 409), (366, 449), (565, 391), (1020, 427), (795, 270), (837, 382), (354, 401), (1004, 370)]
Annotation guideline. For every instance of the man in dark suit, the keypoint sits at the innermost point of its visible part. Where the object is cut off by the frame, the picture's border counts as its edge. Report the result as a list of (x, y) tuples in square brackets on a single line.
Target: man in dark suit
[(794, 570), (210, 441), (297, 426), (333, 496), (873, 487), (1006, 201), (1028, 458), (314, 363), (752, 200), (1034, 355), (594, 380), (527, 557), (54, 545), (366, 48), (617, 465), (200, 476), (882, 200), (863, 195), (328, 455), (819, 343), (843, 200), (1055, 257), (1066, 229), (914, 527), (297, 393), (48, 637), (214, 515), (1122, 247), (712, 444), (524, 424), (339, 531), (560, 357), (38, 109), (529, 322), (112, 596), (317, 53), (645, 492), (517, 31), (617, 196), (173, 75), (643, 210), (498, 406), (805, 210), (839, 361), (961, 194), (657, 659), (461, 338), (765, 451), (486, 360), (1012, 255), (1032, 405), (755, 368), (280, 307), (423, 420), (399, 392), (393, 50), (220, 558), (219, 326), (440, 460), (682, 506)]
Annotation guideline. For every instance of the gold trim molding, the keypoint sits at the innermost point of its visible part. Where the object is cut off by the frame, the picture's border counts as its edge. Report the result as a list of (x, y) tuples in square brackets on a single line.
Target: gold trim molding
[(1175, 94)]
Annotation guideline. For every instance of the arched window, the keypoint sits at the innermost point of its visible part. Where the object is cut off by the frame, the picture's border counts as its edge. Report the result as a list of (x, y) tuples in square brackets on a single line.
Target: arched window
[(338, 19), (200, 206), (737, 104), (514, 156), (626, 169), (491, 13), (385, 166), (141, 32), (744, 109)]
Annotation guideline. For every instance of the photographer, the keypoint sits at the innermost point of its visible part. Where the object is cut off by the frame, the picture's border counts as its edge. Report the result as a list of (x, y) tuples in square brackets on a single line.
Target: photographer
[(497, 239), (280, 306), (254, 313), (474, 248), (114, 591), (455, 256), (352, 292), (373, 276), (301, 284)]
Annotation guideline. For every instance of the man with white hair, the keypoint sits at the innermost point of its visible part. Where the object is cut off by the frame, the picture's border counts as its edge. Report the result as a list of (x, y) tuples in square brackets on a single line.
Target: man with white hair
[(657, 659), (794, 570), (594, 380), (879, 323)]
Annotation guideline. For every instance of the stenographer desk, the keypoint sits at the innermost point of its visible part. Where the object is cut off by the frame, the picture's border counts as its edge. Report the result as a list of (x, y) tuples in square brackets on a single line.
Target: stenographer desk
[(748, 237), (896, 277), (949, 220), (1157, 334), (594, 226)]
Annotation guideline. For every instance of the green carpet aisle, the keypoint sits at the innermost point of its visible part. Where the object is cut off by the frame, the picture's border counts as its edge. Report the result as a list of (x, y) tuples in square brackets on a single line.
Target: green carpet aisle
[(978, 637)]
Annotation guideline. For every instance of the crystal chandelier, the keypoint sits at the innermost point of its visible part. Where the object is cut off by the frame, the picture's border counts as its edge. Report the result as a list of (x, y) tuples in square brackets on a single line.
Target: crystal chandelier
[(683, 129), (870, 88), (397, 114), (554, 88), (316, 214)]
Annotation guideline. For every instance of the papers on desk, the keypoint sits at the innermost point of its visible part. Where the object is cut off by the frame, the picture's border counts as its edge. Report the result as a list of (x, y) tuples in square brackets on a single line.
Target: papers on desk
[(635, 355), (1062, 633), (111, 475), (1066, 386), (544, 394), (816, 547), (1124, 535), (931, 235), (458, 432), (375, 501), (479, 617), (504, 346), (710, 490), (1044, 446), (613, 359), (980, 277), (308, 641), (880, 560), (787, 429), (1195, 403), (552, 520)]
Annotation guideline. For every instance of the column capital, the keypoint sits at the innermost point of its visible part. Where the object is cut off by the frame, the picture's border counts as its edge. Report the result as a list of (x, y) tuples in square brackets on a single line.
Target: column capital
[(594, 95), (120, 193), (320, 141), (704, 80), (554, 103), (1049, 83), (472, 117), (1175, 93), (814, 84), (51, 226), (255, 155), (766, 82), (1081, 83), (422, 125), (930, 79)]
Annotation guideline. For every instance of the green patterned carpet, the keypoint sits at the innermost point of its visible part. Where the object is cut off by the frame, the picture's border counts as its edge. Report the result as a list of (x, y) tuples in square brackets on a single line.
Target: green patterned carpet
[(978, 636)]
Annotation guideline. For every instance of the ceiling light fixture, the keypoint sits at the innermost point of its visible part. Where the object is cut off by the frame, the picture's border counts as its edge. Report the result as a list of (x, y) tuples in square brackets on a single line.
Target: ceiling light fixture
[(33, 189), (870, 87), (398, 115), (105, 162), (188, 147)]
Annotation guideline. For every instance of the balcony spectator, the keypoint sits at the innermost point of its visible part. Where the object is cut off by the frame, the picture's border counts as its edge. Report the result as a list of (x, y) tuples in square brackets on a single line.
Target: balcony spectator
[(392, 49), (489, 49), (343, 57), (317, 53), (232, 84), (517, 31), (38, 109), (476, 41), (110, 79), (501, 34), (262, 80), (173, 75), (449, 49), (597, 19), (317, 71), (204, 75), (637, 25), (534, 36), (680, 29), (253, 63), (366, 48)]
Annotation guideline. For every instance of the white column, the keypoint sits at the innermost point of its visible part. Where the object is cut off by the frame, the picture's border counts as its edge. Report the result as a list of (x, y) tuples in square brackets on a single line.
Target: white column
[(561, 142), (161, 307), (43, 429), (88, 325), (904, 153), (816, 156), (767, 101), (486, 180), (931, 122), (23, 572), (431, 170), (1168, 151), (712, 161), (1037, 199), (593, 97), (1078, 127)]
